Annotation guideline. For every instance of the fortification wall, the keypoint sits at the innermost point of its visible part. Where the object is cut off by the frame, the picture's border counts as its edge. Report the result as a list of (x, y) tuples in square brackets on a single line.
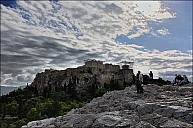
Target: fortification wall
[(115, 68), (83, 75), (94, 63)]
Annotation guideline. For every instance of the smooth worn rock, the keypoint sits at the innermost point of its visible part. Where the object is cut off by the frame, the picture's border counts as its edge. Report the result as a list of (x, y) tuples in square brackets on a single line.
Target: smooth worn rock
[(159, 106), (143, 124), (106, 121), (176, 124)]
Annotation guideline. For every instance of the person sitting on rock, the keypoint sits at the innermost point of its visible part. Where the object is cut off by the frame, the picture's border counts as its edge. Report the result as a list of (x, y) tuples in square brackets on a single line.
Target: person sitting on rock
[(175, 80), (184, 81), (139, 81), (179, 78)]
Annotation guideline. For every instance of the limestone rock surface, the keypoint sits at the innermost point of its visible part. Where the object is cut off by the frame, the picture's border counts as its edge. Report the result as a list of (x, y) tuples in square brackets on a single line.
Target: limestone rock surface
[(159, 106)]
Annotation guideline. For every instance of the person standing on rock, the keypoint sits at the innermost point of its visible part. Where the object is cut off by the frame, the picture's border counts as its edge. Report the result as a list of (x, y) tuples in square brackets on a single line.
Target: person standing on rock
[(139, 81), (150, 77)]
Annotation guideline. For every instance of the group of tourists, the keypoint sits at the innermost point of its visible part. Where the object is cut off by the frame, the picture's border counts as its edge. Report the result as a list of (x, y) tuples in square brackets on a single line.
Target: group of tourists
[(139, 81), (180, 80)]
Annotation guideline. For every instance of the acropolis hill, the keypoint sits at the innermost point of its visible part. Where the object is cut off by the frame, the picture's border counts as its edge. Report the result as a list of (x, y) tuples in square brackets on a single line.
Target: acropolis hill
[(158, 107), (92, 73)]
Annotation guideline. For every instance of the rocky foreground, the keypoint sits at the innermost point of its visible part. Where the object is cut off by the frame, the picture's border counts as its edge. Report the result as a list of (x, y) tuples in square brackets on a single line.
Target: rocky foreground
[(159, 106)]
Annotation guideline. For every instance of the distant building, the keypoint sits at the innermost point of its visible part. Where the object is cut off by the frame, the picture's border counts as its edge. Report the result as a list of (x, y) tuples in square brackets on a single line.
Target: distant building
[(92, 72)]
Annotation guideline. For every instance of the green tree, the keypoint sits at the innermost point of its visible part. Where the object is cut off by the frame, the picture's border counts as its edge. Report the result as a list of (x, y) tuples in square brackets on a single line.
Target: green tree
[(72, 90), (3, 110), (47, 107), (10, 119), (100, 92), (33, 114), (3, 125), (30, 103), (12, 126), (20, 123), (92, 90), (12, 108), (64, 108), (20, 105), (112, 85)]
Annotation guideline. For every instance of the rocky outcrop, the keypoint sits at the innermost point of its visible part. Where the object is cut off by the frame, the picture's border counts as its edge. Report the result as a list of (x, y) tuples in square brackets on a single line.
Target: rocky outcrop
[(92, 73), (159, 106)]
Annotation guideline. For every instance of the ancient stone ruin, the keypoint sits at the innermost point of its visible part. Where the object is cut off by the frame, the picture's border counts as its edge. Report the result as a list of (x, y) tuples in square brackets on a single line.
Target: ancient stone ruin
[(93, 72)]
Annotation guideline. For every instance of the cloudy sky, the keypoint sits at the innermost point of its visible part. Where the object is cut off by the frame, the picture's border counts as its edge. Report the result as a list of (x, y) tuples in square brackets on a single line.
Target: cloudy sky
[(36, 35)]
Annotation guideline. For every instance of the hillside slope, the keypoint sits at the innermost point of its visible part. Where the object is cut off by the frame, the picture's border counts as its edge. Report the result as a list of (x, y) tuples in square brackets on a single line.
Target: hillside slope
[(6, 89), (159, 106)]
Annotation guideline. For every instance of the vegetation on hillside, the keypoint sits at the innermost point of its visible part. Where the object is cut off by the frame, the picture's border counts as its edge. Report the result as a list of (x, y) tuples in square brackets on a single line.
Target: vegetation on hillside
[(24, 105)]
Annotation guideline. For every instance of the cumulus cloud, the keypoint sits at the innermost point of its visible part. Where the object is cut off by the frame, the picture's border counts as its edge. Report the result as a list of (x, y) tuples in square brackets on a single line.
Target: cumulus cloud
[(63, 34), (163, 31)]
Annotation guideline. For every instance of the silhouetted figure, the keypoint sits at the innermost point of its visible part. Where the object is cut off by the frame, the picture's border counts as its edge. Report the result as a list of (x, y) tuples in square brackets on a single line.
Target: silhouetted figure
[(139, 81), (150, 77)]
